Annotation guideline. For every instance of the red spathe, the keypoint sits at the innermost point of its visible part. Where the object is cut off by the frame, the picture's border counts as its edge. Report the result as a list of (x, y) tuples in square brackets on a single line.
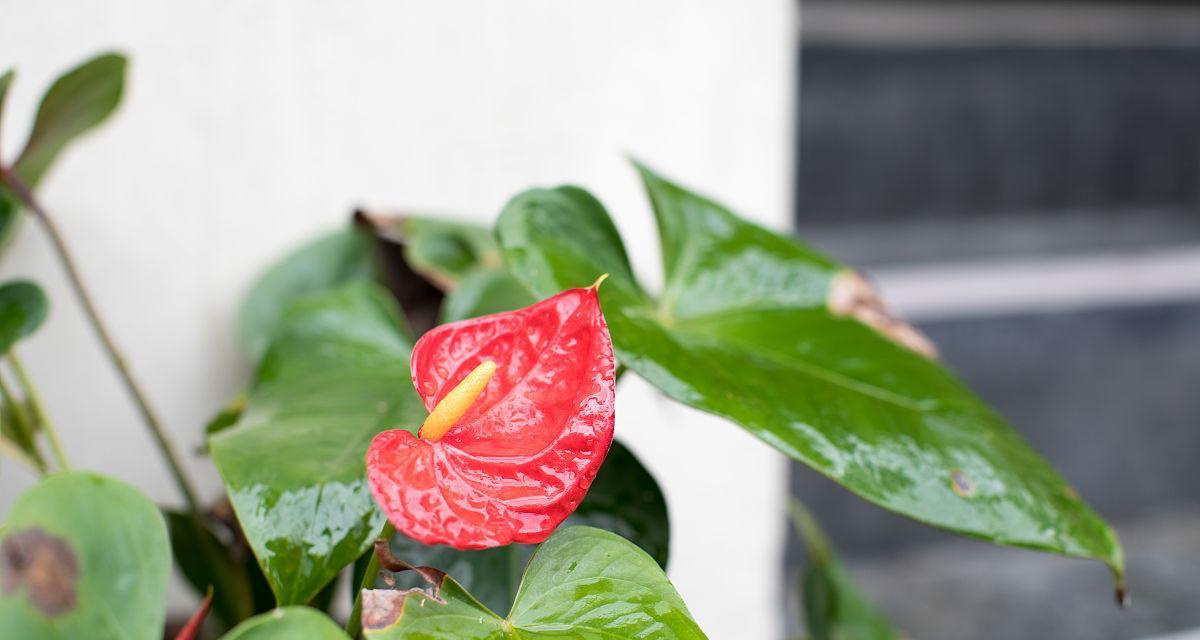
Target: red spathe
[(523, 456)]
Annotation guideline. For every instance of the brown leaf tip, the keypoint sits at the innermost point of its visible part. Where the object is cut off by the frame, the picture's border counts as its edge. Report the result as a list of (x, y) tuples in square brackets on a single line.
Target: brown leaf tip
[(852, 296), (44, 565)]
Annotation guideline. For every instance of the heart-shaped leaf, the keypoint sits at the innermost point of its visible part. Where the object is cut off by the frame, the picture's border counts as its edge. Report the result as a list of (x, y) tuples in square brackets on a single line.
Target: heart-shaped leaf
[(834, 609), (521, 457), (288, 623), (78, 100), (484, 292), (444, 252), (624, 499), (581, 583), (336, 374), (321, 265), (83, 556), (795, 348)]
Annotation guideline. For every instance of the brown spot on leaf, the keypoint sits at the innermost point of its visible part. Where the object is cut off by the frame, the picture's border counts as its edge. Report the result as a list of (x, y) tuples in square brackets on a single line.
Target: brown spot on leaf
[(42, 564), (961, 484), (851, 295)]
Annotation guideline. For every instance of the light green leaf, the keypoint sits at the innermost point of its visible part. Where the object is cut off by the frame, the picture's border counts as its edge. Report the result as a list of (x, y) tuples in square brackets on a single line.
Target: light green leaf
[(623, 499), (444, 252), (19, 429), (834, 609), (23, 308), (83, 556), (764, 331), (321, 265), (288, 623), (79, 100), (336, 374), (581, 583)]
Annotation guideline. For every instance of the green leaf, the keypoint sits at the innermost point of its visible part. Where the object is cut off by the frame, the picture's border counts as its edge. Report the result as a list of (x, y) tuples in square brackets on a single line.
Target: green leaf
[(581, 583), (80, 99), (6, 80), (23, 308), (336, 374), (288, 623), (205, 562), (20, 428), (83, 556), (623, 499), (764, 331), (483, 292), (834, 609), (326, 263), (10, 209), (445, 252)]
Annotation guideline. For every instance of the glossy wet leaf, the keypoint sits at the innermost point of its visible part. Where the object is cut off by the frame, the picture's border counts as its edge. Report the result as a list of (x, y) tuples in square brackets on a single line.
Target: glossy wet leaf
[(764, 331), (336, 373), (288, 623), (581, 583), (83, 556), (834, 608), (326, 263), (520, 456), (79, 100), (624, 499)]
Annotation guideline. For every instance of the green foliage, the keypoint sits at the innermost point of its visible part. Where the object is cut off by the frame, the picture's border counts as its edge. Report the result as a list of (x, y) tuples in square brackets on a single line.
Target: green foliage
[(446, 252), (78, 100), (238, 588), (581, 583), (288, 623), (483, 292), (23, 308), (336, 373), (834, 609), (324, 264), (624, 499), (83, 556), (745, 329)]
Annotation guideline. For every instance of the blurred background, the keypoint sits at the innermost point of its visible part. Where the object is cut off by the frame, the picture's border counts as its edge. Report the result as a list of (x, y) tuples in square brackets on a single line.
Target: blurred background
[(1022, 179)]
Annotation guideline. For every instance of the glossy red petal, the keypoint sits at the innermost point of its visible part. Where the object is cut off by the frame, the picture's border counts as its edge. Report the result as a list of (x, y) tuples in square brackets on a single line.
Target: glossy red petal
[(521, 459)]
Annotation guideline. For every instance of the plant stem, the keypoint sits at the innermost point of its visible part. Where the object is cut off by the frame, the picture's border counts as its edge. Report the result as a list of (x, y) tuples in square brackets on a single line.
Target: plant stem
[(39, 411), (22, 422), (354, 624), (114, 354)]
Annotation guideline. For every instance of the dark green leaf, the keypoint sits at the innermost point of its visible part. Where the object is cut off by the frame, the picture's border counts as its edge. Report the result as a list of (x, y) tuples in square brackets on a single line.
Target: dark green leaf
[(623, 499), (23, 308), (83, 556), (759, 329), (206, 562), (834, 609), (227, 416), (80, 99), (288, 623), (10, 209), (336, 374), (581, 583), (321, 265)]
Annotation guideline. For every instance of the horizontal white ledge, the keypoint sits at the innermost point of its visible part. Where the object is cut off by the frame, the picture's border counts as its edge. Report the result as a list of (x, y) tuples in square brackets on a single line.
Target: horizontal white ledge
[(1048, 284)]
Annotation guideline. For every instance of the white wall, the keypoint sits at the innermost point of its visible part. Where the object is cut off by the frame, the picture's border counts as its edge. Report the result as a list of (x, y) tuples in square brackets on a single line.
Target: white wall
[(249, 126)]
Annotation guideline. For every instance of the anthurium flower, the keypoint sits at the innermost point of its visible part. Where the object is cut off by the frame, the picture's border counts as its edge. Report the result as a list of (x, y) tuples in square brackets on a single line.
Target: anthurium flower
[(521, 417)]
